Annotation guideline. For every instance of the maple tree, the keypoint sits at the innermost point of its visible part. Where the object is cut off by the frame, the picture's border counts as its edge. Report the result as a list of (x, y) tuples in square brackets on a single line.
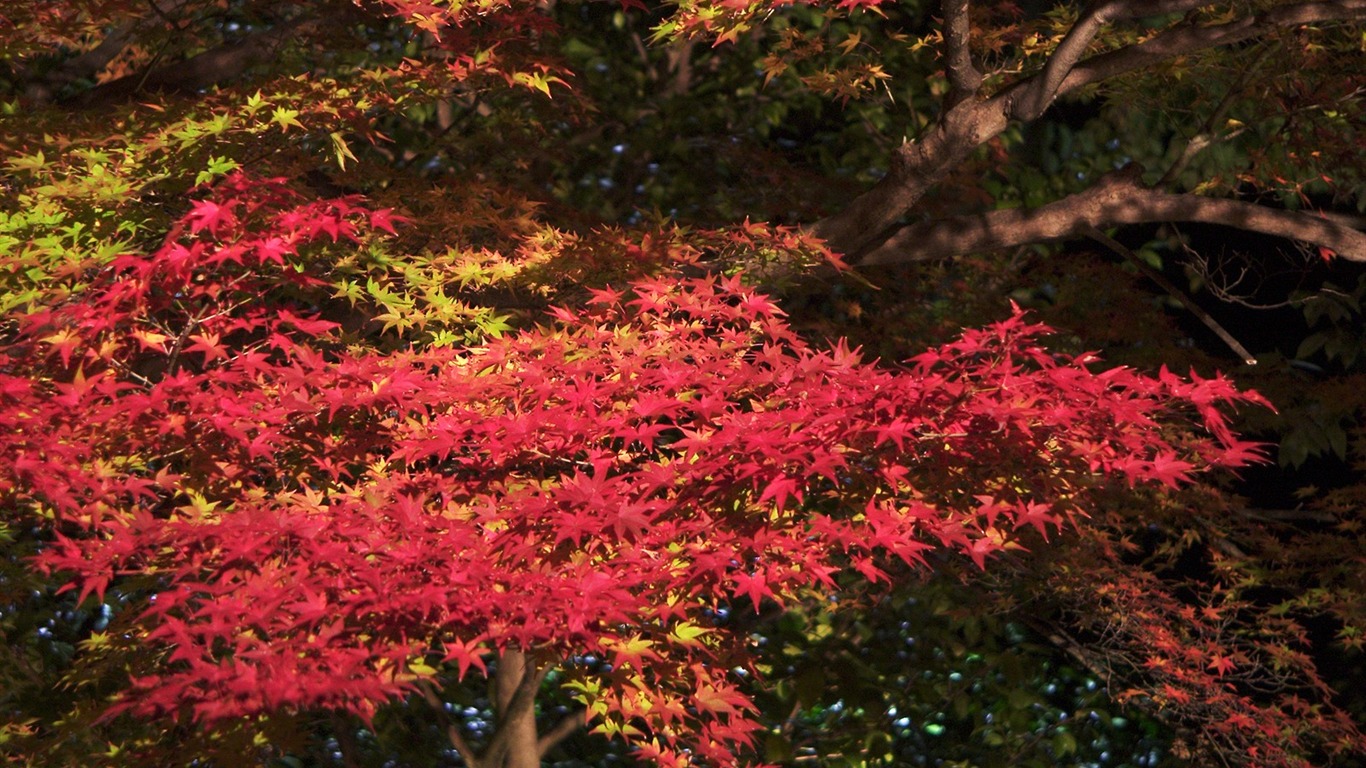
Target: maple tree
[(315, 451)]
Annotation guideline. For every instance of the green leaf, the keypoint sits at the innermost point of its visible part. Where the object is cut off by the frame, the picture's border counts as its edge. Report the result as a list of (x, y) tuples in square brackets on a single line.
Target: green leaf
[(285, 118), (1064, 744)]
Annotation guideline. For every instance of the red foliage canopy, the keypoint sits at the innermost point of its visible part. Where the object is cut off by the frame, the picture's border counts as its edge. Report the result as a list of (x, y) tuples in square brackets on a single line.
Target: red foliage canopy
[(314, 525)]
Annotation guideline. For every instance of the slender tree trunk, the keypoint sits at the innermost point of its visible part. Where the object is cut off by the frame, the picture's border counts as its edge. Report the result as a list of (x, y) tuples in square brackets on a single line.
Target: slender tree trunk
[(523, 750)]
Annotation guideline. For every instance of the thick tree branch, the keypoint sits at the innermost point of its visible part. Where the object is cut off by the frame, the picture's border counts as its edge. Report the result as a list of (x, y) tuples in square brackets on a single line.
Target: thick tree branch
[(211, 67), (86, 65), (1044, 87), (1185, 39), (1138, 9), (1117, 199), (916, 167), (42, 90), (964, 77)]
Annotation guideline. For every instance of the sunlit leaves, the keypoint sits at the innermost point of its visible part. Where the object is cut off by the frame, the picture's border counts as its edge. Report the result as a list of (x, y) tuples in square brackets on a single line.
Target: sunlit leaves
[(346, 450), (351, 510)]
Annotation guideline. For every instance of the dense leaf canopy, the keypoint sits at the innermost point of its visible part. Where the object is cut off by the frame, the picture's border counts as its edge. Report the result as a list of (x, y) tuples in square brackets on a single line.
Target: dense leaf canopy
[(407, 383)]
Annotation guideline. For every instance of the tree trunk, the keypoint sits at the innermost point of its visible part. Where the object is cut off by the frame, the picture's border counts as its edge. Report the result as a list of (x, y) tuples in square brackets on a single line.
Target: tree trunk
[(516, 718)]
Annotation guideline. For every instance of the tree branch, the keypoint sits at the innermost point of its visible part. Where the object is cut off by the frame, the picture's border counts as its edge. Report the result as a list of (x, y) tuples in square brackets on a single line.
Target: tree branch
[(467, 753), (916, 167), (86, 65), (964, 78), (1297, 515), (679, 60), (1138, 9), (1117, 199), (346, 740), (1043, 88), (1185, 39), (1177, 293), (41, 90), (559, 732), (1093, 662), (209, 68)]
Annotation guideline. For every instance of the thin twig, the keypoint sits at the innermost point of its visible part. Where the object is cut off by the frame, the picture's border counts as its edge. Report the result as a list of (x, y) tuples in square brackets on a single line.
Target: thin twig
[(1206, 136), (1166, 285)]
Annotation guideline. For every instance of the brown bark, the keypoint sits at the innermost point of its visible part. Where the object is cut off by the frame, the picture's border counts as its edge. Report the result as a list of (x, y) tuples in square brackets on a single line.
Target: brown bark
[(42, 90), (1117, 199), (964, 77), (1186, 39), (916, 167), (1047, 85), (860, 229), (516, 743), (209, 68), (560, 731)]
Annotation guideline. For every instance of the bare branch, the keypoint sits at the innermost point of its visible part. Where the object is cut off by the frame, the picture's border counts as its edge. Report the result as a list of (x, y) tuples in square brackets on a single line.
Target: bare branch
[(562, 730), (1094, 662), (1117, 199), (1239, 279), (1177, 293), (1207, 135), (964, 77)]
